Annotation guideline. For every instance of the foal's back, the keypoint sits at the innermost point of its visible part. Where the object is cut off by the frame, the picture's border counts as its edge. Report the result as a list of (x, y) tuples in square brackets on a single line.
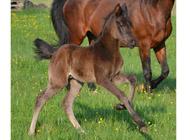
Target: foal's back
[(74, 60)]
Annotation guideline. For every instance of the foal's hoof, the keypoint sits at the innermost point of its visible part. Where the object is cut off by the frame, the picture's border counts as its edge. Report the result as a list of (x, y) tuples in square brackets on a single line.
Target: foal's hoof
[(30, 133), (80, 130), (120, 107), (144, 129)]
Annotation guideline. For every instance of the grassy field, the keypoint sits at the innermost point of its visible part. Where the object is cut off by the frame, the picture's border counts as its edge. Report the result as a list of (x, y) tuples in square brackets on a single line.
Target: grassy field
[(94, 111)]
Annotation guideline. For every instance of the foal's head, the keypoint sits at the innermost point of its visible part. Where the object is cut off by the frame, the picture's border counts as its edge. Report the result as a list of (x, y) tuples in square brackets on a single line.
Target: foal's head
[(119, 25)]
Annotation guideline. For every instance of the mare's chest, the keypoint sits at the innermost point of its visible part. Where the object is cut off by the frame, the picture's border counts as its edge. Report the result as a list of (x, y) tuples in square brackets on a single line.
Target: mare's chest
[(151, 27)]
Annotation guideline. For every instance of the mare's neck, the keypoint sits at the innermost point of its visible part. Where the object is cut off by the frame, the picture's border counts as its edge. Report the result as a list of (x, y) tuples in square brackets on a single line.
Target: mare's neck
[(166, 5)]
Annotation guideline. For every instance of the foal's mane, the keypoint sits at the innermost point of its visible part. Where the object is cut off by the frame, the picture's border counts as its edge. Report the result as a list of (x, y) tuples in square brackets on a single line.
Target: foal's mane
[(152, 2), (107, 21)]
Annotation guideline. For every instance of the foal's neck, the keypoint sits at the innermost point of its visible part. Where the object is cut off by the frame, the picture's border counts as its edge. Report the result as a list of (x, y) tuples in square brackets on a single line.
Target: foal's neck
[(107, 42)]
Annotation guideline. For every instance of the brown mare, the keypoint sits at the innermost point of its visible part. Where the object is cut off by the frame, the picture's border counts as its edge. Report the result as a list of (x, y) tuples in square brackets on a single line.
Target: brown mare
[(100, 63), (151, 26)]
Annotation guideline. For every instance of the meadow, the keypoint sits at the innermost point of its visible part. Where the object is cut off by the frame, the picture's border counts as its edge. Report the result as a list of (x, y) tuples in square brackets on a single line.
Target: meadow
[(94, 111)]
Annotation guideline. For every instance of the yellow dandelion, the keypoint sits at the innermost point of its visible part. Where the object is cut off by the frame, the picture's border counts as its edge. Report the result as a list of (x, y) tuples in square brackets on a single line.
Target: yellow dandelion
[(38, 131), (100, 120)]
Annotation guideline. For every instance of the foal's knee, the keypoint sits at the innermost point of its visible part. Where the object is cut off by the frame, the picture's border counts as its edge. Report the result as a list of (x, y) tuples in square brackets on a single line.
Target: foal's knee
[(43, 97), (39, 100)]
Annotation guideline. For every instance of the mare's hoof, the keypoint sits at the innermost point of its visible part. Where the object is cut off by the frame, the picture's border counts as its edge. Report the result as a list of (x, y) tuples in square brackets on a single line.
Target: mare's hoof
[(120, 107), (144, 129)]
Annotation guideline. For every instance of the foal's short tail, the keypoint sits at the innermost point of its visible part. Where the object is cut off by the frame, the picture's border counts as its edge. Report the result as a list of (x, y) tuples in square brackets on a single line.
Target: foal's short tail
[(43, 49)]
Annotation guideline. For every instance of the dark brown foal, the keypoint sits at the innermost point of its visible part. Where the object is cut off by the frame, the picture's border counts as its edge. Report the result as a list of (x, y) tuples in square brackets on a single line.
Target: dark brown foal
[(100, 63)]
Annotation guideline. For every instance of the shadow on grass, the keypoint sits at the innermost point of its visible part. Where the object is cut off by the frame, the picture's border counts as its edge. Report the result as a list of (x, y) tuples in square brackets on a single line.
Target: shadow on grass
[(93, 114)]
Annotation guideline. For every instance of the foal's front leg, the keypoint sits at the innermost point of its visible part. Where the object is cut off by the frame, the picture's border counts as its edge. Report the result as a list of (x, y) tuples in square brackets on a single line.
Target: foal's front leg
[(122, 78), (75, 87), (106, 83)]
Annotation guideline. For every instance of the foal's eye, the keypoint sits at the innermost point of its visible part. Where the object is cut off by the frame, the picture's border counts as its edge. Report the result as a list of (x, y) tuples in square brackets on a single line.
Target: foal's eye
[(120, 23)]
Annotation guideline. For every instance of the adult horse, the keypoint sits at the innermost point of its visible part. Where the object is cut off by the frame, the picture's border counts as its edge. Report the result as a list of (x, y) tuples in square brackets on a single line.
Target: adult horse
[(150, 19)]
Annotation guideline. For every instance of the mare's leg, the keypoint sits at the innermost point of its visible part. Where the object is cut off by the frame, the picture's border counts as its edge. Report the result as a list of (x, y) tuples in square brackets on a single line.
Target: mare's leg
[(40, 101), (121, 96), (145, 60), (131, 79), (75, 87), (161, 57), (91, 37)]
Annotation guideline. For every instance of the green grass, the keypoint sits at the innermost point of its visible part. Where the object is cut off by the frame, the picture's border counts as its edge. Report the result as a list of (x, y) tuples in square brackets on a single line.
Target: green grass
[(94, 111)]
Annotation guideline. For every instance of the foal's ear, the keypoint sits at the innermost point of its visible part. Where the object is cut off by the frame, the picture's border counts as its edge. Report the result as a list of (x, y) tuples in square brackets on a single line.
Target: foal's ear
[(118, 10), (124, 8)]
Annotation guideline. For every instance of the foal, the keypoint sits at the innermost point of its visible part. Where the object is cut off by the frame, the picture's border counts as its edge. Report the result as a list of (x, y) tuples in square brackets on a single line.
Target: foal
[(100, 63)]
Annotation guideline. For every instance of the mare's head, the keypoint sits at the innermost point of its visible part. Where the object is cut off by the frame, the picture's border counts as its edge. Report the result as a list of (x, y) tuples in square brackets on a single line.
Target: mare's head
[(120, 25)]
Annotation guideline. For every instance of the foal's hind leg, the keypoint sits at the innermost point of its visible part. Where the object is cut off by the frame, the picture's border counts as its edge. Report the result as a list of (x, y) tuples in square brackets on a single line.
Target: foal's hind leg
[(131, 79), (75, 87), (106, 83), (40, 101)]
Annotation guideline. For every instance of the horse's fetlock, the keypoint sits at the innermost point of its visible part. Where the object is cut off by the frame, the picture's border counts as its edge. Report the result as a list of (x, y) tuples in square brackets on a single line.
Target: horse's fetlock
[(165, 73), (148, 75)]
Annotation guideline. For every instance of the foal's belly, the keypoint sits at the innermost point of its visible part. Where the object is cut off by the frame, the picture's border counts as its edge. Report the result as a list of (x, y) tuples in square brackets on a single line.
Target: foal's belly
[(83, 75), (81, 67)]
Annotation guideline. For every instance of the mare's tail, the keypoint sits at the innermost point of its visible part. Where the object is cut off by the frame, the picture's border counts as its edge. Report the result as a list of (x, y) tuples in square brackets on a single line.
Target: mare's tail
[(58, 21), (43, 50)]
